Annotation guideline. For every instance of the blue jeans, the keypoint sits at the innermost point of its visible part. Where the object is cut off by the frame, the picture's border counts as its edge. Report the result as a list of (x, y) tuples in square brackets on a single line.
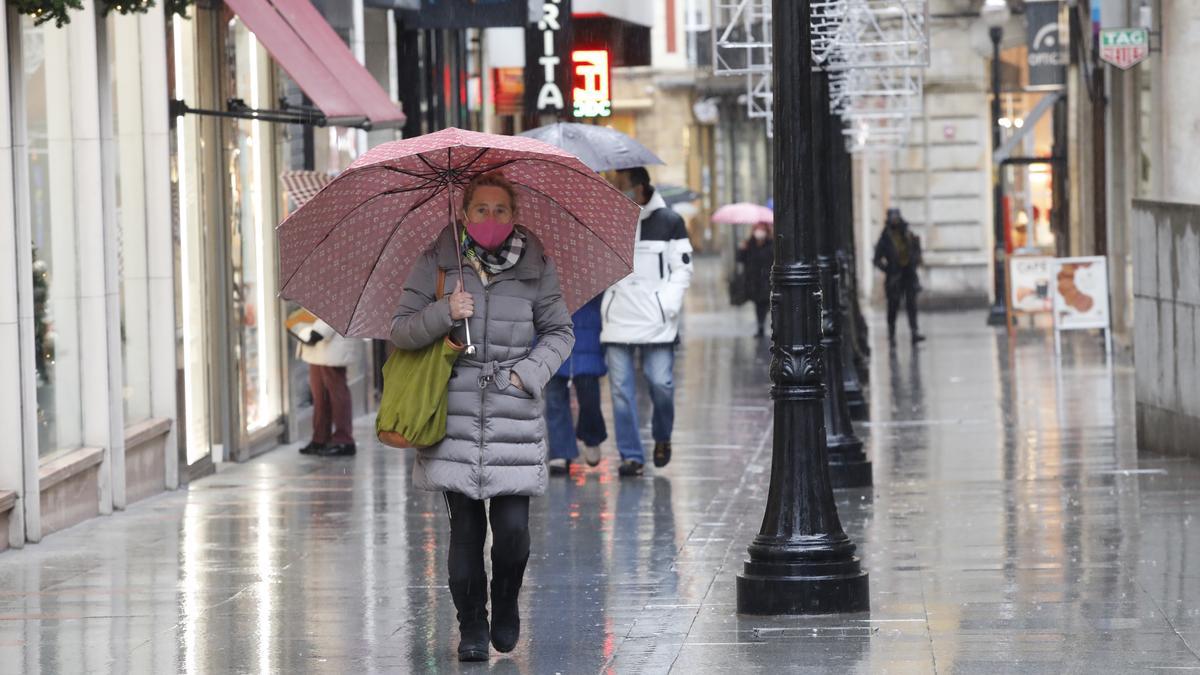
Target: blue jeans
[(560, 428), (658, 364)]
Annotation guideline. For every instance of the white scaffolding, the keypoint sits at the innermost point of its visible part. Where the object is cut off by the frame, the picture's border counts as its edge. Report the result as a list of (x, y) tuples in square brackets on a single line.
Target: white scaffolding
[(874, 51), (741, 37)]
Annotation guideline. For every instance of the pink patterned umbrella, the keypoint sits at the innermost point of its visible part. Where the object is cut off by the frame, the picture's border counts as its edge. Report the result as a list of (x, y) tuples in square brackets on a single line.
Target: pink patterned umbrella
[(743, 213), (344, 254)]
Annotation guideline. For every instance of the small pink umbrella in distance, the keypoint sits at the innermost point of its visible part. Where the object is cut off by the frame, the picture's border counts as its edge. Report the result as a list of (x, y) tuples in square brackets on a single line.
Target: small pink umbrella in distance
[(743, 213), (344, 254)]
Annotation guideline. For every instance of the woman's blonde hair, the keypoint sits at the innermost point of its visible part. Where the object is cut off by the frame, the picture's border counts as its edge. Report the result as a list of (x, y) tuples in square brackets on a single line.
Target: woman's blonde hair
[(490, 179)]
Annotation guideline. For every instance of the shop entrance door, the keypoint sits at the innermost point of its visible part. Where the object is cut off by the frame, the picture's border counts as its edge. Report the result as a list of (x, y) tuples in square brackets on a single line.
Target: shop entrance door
[(230, 326)]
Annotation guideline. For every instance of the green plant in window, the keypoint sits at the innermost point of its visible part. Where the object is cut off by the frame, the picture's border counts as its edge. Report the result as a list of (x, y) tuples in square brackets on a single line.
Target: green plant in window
[(125, 6), (47, 10), (43, 352), (179, 7)]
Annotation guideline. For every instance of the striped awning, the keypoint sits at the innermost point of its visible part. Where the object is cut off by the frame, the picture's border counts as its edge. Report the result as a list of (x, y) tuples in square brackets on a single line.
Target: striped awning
[(302, 186)]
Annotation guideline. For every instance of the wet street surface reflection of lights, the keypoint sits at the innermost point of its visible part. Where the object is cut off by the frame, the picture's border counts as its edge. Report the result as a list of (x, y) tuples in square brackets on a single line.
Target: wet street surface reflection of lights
[(1012, 528)]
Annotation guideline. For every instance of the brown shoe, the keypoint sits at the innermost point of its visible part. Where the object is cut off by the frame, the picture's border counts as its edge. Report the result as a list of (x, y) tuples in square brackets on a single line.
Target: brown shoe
[(662, 453)]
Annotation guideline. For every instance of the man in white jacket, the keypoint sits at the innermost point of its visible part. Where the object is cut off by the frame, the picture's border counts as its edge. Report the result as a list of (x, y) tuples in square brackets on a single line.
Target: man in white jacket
[(641, 313), (327, 355)]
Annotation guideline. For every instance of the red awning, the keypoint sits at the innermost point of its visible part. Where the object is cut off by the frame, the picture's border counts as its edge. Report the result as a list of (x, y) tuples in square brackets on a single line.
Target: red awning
[(304, 45)]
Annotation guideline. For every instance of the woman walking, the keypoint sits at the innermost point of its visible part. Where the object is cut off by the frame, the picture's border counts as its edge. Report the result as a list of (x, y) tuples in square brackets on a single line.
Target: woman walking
[(757, 254), (509, 296), (583, 368)]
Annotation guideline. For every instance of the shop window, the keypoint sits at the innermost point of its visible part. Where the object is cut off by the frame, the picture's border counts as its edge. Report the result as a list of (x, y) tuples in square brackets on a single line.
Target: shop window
[(125, 136), (49, 163), (251, 217)]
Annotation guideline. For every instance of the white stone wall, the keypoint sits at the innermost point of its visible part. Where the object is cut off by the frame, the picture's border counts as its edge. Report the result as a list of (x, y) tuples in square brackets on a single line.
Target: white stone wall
[(1167, 325), (1179, 101), (941, 182)]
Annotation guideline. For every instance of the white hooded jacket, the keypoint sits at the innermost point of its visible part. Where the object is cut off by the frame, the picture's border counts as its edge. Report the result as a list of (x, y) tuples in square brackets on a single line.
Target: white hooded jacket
[(645, 307)]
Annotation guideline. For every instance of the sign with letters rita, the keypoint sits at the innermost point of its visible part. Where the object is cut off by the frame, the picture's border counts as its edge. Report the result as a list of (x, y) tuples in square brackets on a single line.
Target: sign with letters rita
[(1124, 47)]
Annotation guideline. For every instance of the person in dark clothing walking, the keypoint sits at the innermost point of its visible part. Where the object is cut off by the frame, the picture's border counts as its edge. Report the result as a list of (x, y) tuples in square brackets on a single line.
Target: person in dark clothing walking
[(898, 255), (583, 368), (756, 255)]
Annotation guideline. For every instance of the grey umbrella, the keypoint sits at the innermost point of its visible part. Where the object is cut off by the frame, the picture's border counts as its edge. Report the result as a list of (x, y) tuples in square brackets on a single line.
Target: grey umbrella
[(600, 148)]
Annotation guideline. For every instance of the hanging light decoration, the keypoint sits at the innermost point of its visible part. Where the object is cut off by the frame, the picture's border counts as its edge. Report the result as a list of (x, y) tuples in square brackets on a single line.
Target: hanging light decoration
[(44, 11), (125, 6)]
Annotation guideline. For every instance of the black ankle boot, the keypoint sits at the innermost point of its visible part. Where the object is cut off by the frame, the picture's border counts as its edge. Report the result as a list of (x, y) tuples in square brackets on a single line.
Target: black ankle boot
[(473, 639), (506, 617), (470, 599)]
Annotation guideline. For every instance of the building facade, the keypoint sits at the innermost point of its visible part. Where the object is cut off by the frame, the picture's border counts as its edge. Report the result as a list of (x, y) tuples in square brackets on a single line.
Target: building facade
[(139, 305)]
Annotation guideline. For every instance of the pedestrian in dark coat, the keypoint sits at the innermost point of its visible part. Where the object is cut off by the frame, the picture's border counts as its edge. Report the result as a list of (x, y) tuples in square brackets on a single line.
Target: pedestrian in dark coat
[(757, 255), (583, 369), (898, 255), (495, 442)]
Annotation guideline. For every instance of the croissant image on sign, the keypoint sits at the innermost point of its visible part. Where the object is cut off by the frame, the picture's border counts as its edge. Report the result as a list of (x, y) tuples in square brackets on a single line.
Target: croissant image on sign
[(1081, 293)]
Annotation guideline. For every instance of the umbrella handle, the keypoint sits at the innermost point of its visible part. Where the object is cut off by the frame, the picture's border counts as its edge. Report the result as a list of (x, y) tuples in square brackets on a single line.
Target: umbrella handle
[(469, 350)]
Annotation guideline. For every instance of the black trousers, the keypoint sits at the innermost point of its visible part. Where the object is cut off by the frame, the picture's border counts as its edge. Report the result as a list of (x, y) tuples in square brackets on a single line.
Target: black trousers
[(761, 309), (906, 290), (510, 551)]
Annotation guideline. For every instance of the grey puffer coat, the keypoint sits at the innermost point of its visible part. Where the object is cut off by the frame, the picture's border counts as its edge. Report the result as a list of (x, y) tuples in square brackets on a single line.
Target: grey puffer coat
[(495, 440)]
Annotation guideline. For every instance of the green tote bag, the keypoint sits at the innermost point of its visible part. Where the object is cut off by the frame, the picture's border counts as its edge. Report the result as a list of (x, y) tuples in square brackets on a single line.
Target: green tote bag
[(412, 412)]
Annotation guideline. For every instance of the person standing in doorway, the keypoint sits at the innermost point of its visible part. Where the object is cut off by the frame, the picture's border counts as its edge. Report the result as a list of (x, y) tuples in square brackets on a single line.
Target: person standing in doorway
[(898, 255), (583, 368), (757, 254), (328, 355), (640, 316)]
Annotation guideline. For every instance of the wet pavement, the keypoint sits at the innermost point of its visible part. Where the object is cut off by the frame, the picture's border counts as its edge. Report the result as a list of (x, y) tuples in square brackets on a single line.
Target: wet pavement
[(1012, 528)]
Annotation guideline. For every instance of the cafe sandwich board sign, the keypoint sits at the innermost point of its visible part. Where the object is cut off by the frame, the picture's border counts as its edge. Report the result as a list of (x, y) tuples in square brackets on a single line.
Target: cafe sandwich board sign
[(1124, 47)]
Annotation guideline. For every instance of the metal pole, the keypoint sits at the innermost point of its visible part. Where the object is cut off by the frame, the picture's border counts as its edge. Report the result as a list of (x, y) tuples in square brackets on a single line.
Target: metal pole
[(853, 380), (801, 562), (998, 314), (848, 465)]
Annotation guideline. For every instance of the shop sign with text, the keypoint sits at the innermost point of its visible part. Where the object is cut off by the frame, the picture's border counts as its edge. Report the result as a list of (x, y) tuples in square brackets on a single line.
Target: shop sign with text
[(547, 52), (1124, 47), (1047, 58), (592, 83)]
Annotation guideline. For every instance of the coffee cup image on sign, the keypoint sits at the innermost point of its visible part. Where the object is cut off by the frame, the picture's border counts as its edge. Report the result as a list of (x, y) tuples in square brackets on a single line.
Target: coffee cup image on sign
[(1077, 283)]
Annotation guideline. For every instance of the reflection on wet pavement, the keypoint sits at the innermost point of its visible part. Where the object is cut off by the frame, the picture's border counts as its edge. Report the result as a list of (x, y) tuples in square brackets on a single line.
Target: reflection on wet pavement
[(1012, 527)]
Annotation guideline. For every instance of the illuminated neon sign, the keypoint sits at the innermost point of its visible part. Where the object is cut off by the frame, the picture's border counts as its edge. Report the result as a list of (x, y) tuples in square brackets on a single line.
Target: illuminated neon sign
[(593, 98)]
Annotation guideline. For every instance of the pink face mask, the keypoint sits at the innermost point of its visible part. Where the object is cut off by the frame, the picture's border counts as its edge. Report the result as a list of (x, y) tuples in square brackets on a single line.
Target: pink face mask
[(490, 233)]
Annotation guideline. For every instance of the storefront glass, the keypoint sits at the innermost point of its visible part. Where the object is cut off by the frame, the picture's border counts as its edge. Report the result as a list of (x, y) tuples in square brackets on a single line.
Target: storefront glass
[(50, 166), (251, 217), (123, 64), (191, 301)]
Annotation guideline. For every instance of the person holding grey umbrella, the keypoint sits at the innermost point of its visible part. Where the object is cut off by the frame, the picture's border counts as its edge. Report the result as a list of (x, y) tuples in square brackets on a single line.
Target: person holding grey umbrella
[(600, 148)]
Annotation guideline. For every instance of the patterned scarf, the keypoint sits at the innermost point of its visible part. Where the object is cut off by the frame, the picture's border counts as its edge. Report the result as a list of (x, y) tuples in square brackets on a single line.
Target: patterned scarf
[(495, 262)]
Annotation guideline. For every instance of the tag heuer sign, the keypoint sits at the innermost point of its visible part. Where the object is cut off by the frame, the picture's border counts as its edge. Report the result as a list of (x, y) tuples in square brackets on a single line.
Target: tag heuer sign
[(1124, 47)]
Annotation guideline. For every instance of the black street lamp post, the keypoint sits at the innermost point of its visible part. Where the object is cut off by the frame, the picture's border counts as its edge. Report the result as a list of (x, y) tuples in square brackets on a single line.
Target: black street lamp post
[(995, 13), (801, 561), (848, 465), (853, 378)]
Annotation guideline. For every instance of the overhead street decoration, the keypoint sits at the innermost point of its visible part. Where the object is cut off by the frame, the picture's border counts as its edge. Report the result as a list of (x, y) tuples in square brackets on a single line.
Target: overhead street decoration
[(875, 52), (1124, 47)]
